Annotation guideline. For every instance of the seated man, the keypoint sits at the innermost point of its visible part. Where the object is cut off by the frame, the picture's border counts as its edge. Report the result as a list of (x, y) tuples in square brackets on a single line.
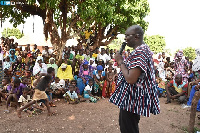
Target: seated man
[(176, 89), (65, 72)]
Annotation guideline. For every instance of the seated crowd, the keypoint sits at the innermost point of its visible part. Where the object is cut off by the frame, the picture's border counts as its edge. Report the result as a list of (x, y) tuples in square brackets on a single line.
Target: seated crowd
[(82, 75), (178, 79)]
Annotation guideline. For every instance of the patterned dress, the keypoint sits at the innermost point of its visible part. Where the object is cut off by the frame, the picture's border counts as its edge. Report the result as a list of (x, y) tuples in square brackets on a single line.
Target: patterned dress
[(180, 69), (86, 74)]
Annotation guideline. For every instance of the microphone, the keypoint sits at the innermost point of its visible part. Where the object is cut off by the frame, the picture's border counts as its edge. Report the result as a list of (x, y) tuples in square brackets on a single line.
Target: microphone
[(122, 48)]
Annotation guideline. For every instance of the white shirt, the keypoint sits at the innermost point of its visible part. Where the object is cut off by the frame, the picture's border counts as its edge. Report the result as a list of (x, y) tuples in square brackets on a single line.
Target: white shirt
[(88, 88), (50, 51), (72, 52), (24, 100), (72, 95), (55, 86)]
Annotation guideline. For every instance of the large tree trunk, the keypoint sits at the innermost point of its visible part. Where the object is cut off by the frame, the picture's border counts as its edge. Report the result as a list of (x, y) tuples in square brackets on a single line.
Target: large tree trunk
[(193, 111)]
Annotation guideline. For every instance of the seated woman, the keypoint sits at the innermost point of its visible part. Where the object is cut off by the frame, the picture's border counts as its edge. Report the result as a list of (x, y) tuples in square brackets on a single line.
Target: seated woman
[(18, 67), (53, 65), (39, 66), (65, 72), (86, 71)]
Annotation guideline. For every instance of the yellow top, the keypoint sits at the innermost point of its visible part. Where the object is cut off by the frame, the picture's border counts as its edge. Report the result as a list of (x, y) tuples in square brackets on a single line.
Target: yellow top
[(94, 55), (79, 57), (87, 34), (67, 74)]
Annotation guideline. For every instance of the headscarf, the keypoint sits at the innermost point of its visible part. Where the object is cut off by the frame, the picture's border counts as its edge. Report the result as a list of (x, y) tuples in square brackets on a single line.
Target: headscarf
[(63, 65), (37, 69), (196, 64), (54, 65), (11, 50), (197, 51), (85, 62), (39, 58), (179, 54), (99, 68), (52, 59), (15, 57)]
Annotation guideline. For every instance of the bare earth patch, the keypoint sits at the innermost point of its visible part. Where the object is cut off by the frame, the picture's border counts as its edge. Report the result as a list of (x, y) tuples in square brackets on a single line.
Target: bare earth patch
[(98, 117)]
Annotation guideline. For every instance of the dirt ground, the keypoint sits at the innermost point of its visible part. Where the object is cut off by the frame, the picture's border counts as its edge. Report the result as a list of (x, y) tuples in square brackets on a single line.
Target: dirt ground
[(100, 117)]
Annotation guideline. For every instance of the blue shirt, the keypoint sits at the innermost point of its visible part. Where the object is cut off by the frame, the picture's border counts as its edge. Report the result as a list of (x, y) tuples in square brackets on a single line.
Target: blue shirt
[(140, 98)]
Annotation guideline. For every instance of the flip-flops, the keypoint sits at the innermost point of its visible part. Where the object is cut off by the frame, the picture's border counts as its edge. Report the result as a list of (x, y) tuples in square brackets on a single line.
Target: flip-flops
[(6, 111)]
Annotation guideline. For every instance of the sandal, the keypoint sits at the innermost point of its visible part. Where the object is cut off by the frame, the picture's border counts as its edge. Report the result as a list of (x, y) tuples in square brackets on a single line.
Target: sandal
[(53, 105), (6, 111)]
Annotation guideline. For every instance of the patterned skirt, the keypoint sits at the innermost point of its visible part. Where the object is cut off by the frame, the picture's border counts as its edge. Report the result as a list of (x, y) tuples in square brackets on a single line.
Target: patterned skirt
[(97, 86)]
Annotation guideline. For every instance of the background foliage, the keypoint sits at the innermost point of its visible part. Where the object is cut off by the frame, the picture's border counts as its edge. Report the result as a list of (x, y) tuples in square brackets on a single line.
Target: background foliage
[(155, 42), (7, 32), (190, 53)]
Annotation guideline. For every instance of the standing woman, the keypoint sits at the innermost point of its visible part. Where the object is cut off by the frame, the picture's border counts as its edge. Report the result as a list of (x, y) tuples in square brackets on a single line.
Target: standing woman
[(181, 66)]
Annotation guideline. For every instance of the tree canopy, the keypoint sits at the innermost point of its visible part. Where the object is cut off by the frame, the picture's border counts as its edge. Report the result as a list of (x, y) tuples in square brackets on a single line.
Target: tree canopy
[(190, 53), (155, 42), (105, 18), (7, 32)]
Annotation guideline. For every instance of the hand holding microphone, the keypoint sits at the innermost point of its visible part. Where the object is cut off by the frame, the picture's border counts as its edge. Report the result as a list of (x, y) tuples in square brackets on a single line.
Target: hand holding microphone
[(122, 48), (118, 57)]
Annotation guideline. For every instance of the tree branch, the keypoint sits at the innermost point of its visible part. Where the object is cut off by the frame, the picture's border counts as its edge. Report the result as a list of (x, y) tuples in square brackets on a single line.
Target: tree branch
[(71, 25), (33, 10), (111, 32)]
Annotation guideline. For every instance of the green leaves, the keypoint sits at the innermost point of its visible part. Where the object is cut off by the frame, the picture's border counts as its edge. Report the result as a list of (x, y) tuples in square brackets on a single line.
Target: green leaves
[(121, 13), (190, 53), (12, 32), (155, 42)]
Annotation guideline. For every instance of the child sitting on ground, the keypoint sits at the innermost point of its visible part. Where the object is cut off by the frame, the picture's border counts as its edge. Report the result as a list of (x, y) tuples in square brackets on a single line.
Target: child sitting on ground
[(23, 84), (3, 91), (73, 82), (71, 96), (57, 88), (24, 99), (88, 92), (13, 93)]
